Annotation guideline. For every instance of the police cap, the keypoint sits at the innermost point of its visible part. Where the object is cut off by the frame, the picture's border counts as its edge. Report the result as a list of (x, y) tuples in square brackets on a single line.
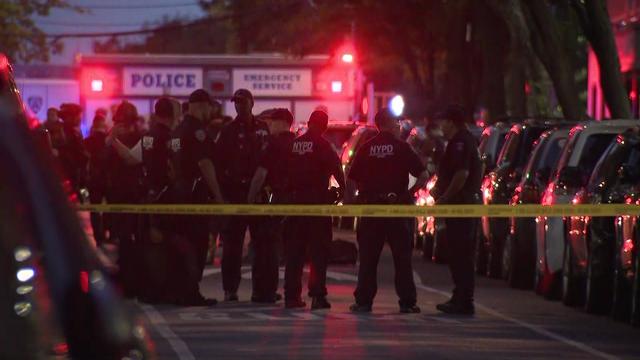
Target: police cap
[(164, 108), (199, 96), (242, 94), (454, 112), (69, 110), (126, 113), (282, 114)]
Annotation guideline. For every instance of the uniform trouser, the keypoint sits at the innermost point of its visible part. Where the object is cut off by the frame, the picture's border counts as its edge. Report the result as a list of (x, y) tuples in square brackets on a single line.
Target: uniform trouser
[(372, 234), (233, 236), (312, 236), (265, 262), (124, 227), (460, 235), (96, 194), (183, 279)]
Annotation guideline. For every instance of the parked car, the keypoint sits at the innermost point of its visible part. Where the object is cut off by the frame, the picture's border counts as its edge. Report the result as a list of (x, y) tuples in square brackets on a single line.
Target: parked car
[(55, 297), (587, 273), (498, 186), (626, 269), (586, 144), (519, 256)]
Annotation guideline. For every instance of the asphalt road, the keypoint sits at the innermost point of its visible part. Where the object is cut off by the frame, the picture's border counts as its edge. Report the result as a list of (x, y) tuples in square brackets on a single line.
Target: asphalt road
[(508, 324)]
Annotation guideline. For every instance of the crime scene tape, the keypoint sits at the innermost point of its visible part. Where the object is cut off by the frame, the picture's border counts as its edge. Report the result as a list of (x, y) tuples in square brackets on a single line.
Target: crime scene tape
[(398, 211)]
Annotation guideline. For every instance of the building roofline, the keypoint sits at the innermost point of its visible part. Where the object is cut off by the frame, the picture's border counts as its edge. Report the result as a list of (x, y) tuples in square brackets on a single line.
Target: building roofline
[(204, 59)]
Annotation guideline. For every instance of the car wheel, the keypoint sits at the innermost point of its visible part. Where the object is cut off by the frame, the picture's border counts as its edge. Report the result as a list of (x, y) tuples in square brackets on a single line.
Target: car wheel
[(495, 255), (572, 285), (481, 253), (622, 287), (599, 278), (427, 246), (516, 265)]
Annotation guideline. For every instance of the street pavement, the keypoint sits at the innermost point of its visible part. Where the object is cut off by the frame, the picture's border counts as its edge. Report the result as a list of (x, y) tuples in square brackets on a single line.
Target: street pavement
[(508, 324)]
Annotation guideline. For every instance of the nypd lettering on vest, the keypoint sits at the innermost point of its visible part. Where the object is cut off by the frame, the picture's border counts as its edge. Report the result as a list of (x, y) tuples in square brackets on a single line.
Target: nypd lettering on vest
[(147, 142), (302, 147), (381, 151), (161, 81)]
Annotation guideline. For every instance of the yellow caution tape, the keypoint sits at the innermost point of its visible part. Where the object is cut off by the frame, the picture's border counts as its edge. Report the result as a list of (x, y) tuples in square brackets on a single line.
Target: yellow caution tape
[(502, 211)]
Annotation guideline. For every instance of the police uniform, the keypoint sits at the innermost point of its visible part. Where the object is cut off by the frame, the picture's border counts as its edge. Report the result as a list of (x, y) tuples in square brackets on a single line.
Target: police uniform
[(124, 187), (274, 160), (189, 144), (239, 145), (461, 154), (381, 169), (155, 160), (312, 162), (96, 182), (155, 157)]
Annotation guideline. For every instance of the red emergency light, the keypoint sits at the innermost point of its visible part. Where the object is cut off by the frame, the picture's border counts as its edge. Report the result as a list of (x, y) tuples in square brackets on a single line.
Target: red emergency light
[(347, 58), (97, 85), (97, 82)]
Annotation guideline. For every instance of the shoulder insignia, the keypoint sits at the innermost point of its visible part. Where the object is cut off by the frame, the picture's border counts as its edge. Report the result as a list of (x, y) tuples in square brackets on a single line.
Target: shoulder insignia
[(175, 145), (201, 135)]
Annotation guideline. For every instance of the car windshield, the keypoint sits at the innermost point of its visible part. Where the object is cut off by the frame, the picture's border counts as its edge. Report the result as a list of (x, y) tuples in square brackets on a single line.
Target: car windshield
[(593, 149), (607, 167), (552, 153), (607, 164), (510, 148), (525, 149), (567, 150)]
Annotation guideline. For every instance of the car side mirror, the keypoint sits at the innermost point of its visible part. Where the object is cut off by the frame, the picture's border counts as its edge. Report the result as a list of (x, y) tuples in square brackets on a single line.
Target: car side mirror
[(570, 176)]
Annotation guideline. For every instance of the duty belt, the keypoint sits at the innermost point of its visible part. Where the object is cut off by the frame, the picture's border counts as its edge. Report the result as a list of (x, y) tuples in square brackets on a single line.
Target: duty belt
[(382, 198)]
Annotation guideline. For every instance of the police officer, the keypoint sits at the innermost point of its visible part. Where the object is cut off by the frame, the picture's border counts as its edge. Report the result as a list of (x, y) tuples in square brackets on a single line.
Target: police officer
[(381, 170), (312, 162), (155, 160), (459, 177), (73, 155), (269, 184), (155, 148), (241, 142), (123, 187), (96, 145), (194, 169)]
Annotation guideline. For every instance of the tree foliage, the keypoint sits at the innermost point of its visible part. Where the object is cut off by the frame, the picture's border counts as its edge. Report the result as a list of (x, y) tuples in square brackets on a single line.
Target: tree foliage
[(20, 38), (501, 55)]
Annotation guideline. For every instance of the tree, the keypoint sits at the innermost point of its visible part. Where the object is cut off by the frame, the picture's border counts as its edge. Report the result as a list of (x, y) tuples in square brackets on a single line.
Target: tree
[(596, 24), (20, 38), (174, 36)]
